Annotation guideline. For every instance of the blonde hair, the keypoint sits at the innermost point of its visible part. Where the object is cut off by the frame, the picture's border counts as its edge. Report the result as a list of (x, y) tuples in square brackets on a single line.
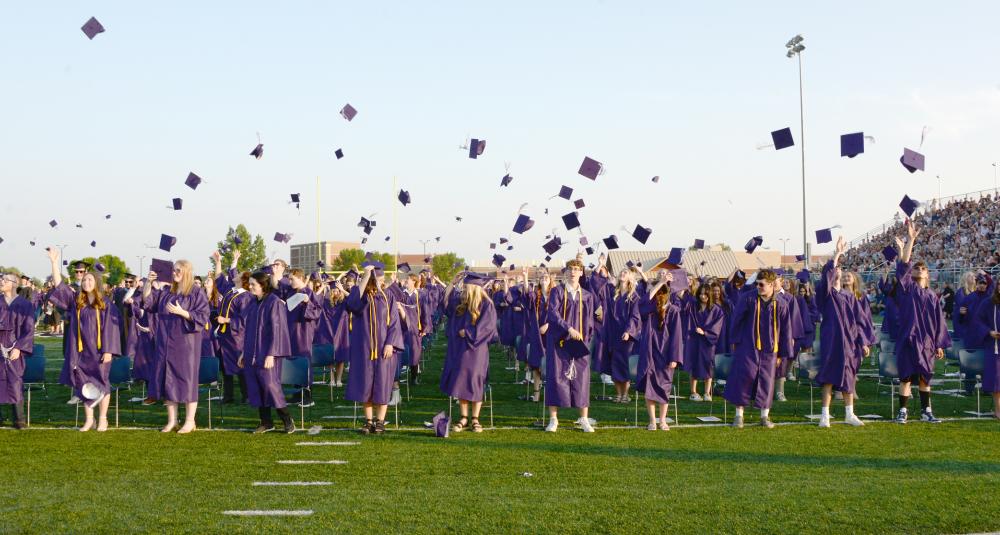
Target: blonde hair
[(626, 287), (855, 287), (187, 278), (472, 298), (969, 282), (82, 298)]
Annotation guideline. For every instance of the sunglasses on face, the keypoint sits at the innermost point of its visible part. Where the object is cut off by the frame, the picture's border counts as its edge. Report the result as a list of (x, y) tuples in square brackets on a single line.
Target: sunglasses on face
[(79, 272), (761, 284)]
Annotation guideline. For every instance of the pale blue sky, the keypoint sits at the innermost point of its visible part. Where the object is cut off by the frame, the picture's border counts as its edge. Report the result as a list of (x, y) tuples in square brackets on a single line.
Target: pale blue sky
[(685, 91)]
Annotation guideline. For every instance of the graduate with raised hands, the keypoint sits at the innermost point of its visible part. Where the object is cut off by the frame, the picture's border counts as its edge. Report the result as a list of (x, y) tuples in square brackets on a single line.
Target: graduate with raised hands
[(535, 302), (661, 349), (708, 323), (234, 287), (923, 332), (17, 341), (841, 339), (141, 343), (375, 339), (600, 284), (761, 332), (265, 345), (303, 317), (182, 312), (622, 326), (985, 329), (475, 324), (567, 364), (92, 340)]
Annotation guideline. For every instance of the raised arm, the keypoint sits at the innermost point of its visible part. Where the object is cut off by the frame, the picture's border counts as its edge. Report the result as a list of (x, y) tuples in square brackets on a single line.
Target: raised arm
[(54, 260)]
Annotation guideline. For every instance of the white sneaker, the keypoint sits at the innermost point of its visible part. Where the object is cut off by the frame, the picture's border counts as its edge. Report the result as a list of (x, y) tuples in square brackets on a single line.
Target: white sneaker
[(696, 397), (73, 400), (824, 421), (585, 425), (394, 397), (591, 421), (707, 397), (738, 421), (780, 396), (853, 420), (553, 425)]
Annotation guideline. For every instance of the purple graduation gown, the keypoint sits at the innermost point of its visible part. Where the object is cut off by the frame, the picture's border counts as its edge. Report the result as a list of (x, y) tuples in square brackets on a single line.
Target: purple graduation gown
[(178, 344), (964, 323), (532, 344), (621, 316), (375, 324), (604, 294), (17, 331), (798, 330), (83, 332), (751, 377), (806, 310), (839, 334), (699, 349), (464, 376), (922, 327), (661, 344), (302, 320), (418, 323), (567, 381), (265, 334), (985, 319), (230, 335), (502, 301), (143, 345)]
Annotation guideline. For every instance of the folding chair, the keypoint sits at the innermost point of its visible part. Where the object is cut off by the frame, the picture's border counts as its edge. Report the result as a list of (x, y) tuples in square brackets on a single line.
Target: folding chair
[(322, 356), (971, 364), (120, 377), (723, 363), (951, 355), (888, 368), (808, 370), (633, 374), (208, 376), (34, 376), (295, 372)]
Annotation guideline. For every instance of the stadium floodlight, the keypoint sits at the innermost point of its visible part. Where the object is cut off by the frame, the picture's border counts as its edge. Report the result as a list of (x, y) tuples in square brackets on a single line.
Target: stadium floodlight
[(794, 48)]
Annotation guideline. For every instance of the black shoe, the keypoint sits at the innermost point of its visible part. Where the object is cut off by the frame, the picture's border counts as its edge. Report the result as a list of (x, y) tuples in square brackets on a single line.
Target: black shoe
[(263, 428), (289, 427), (367, 428), (307, 400), (19, 424), (296, 398), (379, 427)]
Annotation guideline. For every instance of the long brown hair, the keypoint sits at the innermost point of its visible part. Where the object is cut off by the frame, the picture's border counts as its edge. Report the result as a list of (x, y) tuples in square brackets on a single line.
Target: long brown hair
[(662, 298), (707, 290), (82, 298)]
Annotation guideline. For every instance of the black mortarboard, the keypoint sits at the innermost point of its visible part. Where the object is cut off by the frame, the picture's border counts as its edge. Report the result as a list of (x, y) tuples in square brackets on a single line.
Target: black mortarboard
[(507, 179), (79, 225), (852, 144), (782, 138), (387, 238), (493, 245), (576, 349), (583, 240), (498, 260), (699, 244), (404, 197), (91, 28), (258, 151), (164, 269), (503, 240), (680, 281), (676, 256), (579, 204), (320, 264), (178, 203), (107, 216), (611, 242), (571, 220), (458, 218), (53, 223), (193, 181), (99, 267), (547, 258), (566, 192), (641, 233), (800, 258), (590, 250), (552, 245), (166, 242), (803, 276), (296, 198), (339, 153), (474, 278), (590, 168), (403, 268), (476, 148), (908, 205), (754, 242), (93, 243), (912, 160), (283, 238), (889, 253), (656, 179), (348, 112), (824, 236), (523, 224)]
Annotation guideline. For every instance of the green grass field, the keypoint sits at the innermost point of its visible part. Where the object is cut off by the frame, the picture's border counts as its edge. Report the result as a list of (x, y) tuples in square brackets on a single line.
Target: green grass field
[(695, 478)]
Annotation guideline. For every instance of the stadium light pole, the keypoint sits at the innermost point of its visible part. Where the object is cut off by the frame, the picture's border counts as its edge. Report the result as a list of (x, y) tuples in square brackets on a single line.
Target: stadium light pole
[(995, 164), (794, 48), (784, 246)]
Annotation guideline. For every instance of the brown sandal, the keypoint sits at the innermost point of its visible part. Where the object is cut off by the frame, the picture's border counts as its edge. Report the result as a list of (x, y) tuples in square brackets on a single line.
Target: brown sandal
[(476, 426), (460, 426)]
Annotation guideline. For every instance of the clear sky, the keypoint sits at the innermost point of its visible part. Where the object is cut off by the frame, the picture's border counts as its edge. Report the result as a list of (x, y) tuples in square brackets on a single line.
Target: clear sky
[(686, 91)]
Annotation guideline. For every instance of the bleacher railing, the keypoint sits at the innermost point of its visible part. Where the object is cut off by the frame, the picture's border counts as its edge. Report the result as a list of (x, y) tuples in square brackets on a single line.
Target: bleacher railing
[(951, 275)]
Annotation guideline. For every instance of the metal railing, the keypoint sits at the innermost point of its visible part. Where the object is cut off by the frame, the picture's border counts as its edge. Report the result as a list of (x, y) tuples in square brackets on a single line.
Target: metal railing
[(951, 275)]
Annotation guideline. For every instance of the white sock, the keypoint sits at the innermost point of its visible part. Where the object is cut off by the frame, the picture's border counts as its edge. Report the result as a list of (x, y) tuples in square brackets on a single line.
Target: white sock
[(825, 412), (739, 411), (764, 413), (848, 411)]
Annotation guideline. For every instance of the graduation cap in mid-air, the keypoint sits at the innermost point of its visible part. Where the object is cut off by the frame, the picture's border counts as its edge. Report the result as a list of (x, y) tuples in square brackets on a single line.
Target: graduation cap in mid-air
[(824, 235), (91, 28), (578, 204), (852, 144), (53, 223), (506, 180), (571, 220), (193, 181), (258, 151), (476, 148), (404, 197), (498, 260), (699, 244), (166, 242), (552, 245), (339, 153), (93, 243), (282, 238), (889, 253), (611, 242), (178, 203), (912, 160), (782, 138), (348, 112), (676, 256), (754, 242), (641, 233), (908, 205), (591, 168), (565, 192)]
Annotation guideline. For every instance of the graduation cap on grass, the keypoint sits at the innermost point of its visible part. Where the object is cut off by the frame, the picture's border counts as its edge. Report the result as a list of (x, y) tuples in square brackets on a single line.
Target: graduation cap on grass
[(440, 423)]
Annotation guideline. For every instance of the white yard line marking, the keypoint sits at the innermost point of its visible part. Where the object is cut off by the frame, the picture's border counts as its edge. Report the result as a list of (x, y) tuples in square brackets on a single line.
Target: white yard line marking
[(312, 462), (327, 443), (291, 483), (276, 512)]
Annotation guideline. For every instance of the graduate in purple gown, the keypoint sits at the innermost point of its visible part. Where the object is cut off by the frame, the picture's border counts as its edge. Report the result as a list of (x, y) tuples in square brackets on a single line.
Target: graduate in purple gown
[(661, 350), (535, 302), (93, 339), (762, 335), (722, 345), (140, 343), (567, 362), (985, 329), (415, 311), (842, 339), (890, 322), (80, 269), (967, 307), (303, 319), (265, 345), (375, 340), (341, 322), (923, 333), (699, 349), (502, 302), (181, 316), (965, 289), (17, 341), (234, 288), (599, 283), (464, 376), (622, 326)]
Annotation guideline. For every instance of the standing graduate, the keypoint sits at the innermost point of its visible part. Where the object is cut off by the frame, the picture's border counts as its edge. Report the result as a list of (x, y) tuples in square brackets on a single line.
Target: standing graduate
[(966, 311), (181, 316), (722, 346), (17, 341), (762, 335), (535, 302), (985, 329), (265, 345), (622, 326), (502, 301), (80, 269), (699, 351), (841, 339), (234, 288), (374, 342), (923, 333), (782, 368), (661, 350), (141, 344), (93, 339), (303, 319), (417, 322), (599, 284), (967, 288), (465, 375), (567, 363)]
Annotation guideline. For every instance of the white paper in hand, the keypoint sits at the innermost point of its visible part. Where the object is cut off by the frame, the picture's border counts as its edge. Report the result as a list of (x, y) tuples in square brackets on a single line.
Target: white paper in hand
[(294, 301)]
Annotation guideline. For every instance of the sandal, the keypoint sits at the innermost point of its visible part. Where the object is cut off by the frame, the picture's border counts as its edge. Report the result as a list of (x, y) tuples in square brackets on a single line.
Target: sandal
[(536, 396), (476, 426), (458, 427)]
